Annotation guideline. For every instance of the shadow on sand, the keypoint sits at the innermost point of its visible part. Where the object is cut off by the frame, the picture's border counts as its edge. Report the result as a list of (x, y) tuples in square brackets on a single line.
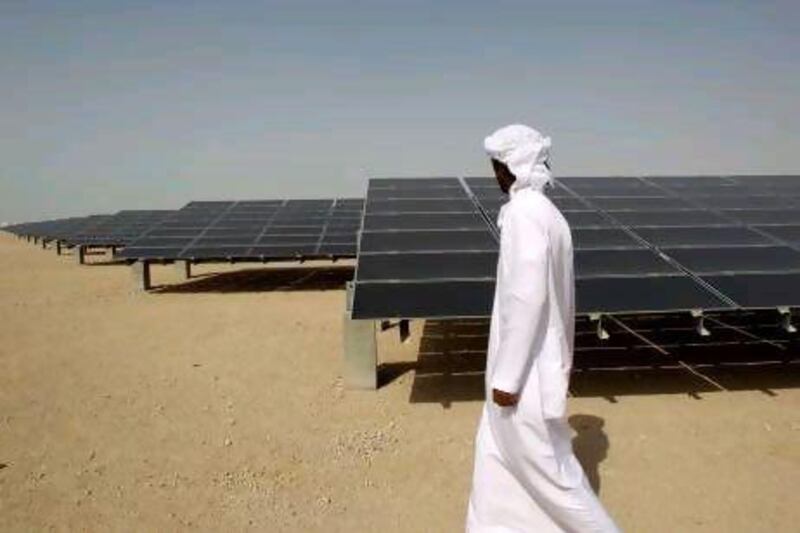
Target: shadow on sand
[(590, 446), (287, 279)]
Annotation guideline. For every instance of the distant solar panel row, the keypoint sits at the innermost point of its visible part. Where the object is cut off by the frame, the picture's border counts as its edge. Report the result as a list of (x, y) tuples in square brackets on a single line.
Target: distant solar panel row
[(118, 229), (58, 229), (641, 245), (252, 230)]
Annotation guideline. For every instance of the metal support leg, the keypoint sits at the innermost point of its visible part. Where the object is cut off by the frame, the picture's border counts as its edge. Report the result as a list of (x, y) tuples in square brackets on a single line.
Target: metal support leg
[(44, 244), (699, 323), (360, 350), (58, 247), (602, 334), (183, 269), (405, 330), (786, 320), (80, 254), (141, 275)]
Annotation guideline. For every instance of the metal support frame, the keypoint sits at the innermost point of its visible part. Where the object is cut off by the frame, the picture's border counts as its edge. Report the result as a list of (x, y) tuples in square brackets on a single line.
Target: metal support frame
[(786, 320), (360, 349), (405, 330), (44, 244), (140, 271), (80, 254), (699, 323), (183, 269), (602, 334), (58, 247)]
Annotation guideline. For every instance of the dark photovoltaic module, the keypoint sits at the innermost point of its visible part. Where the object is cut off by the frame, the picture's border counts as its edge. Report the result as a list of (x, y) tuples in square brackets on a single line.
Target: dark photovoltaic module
[(252, 230), (429, 246)]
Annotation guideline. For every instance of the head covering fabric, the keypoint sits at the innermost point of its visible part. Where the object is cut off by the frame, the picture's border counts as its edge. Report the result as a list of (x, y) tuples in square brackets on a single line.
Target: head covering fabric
[(524, 151)]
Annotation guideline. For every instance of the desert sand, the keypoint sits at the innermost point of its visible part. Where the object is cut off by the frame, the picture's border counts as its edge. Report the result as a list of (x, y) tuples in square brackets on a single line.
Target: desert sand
[(217, 404)]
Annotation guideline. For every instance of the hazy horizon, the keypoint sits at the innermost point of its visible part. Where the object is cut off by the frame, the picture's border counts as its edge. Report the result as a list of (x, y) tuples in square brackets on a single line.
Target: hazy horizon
[(143, 105)]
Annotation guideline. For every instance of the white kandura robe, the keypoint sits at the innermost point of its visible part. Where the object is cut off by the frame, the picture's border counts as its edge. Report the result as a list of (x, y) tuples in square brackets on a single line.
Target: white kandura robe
[(526, 477)]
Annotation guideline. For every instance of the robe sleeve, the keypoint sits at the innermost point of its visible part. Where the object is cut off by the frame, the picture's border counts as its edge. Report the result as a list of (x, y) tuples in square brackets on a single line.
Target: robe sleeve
[(522, 297)]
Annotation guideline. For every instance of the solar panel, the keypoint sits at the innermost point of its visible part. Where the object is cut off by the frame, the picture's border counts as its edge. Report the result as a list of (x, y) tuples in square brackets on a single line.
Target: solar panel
[(737, 259), (426, 266), (764, 216), (690, 182), (118, 229), (645, 203), (603, 238), (450, 205), (759, 290), (253, 230), (589, 183), (645, 191), (567, 203), (423, 221), (420, 258), (428, 240), (641, 244), (770, 181), (587, 219), (60, 229), (594, 263), (787, 233), (643, 294), (689, 217), (744, 202), (379, 183), (701, 236), (442, 298), (717, 241)]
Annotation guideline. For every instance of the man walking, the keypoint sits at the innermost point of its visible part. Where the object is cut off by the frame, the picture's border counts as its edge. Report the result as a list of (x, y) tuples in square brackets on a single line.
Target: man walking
[(526, 477)]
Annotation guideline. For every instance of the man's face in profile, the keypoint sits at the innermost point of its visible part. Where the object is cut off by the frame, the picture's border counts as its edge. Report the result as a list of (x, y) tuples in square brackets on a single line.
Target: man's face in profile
[(504, 176)]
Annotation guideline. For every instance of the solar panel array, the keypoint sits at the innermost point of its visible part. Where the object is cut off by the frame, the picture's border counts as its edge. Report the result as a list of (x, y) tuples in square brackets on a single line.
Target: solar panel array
[(425, 250), (118, 229), (57, 229), (252, 230), (641, 245)]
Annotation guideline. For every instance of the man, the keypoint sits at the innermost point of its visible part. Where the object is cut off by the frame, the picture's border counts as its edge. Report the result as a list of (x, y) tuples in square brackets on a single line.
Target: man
[(526, 477)]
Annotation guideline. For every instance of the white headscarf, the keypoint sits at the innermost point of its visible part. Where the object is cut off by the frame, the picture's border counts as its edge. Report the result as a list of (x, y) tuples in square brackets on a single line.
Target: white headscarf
[(524, 151)]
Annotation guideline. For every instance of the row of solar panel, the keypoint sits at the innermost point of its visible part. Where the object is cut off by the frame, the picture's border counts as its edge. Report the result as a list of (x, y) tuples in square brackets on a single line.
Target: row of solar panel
[(432, 235), (258, 229), (644, 247), (217, 230)]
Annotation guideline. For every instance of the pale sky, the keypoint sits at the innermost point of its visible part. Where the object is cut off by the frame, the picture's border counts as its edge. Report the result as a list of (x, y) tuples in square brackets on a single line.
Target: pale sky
[(109, 105)]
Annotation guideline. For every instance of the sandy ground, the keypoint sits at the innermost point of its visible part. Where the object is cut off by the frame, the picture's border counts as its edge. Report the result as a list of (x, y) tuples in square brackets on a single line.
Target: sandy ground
[(218, 405)]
